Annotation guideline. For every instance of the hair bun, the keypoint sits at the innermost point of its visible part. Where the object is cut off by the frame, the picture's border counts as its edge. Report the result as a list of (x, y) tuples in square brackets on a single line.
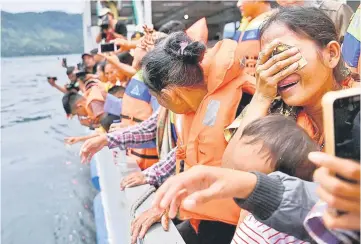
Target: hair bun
[(193, 52), (180, 46)]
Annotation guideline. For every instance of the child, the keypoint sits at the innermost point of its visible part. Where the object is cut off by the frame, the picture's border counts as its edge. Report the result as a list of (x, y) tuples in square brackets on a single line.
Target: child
[(273, 143)]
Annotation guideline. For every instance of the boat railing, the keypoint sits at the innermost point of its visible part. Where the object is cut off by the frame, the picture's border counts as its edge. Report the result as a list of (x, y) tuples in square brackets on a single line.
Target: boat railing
[(117, 205)]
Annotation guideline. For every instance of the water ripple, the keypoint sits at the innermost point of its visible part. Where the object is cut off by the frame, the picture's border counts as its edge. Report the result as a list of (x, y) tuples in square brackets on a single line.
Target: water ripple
[(30, 119)]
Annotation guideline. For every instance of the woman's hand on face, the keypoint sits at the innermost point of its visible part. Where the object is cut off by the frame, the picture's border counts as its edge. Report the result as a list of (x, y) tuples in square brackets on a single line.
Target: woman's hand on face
[(92, 146), (134, 179), (201, 184), (271, 70), (337, 193), (142, 223)]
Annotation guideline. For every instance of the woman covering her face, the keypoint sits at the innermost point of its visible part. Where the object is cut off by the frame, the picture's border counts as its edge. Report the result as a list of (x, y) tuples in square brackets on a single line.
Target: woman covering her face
[(300, 61)]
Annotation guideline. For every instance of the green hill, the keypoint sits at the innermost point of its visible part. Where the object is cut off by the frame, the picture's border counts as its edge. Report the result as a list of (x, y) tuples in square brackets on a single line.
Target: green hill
[(47, 33)]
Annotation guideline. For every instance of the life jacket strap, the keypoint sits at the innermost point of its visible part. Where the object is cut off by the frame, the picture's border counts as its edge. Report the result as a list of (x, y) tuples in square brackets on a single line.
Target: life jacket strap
[(131, 118), (144, 156)]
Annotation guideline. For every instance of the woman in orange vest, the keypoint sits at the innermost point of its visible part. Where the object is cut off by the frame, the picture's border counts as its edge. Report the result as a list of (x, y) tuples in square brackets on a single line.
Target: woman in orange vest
[(138, 104), (205, 90), (286, 81)]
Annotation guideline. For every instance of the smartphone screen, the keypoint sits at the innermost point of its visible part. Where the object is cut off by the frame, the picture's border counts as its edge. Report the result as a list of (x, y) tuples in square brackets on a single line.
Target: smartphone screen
[(107, 47), (347, 127)]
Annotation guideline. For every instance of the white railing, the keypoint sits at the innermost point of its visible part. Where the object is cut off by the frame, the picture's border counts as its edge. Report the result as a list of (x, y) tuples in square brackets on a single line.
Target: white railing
[(117, 204)]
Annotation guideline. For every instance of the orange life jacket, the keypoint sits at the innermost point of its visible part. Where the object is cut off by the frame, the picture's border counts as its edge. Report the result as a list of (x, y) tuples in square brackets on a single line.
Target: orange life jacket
[(136, 107), (249, 43), (95, 92), (200, 137), (199, 31)]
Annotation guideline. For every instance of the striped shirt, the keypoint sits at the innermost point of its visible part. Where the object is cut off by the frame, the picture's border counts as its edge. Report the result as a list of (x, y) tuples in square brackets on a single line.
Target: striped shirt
[(253, 231), (137, 135)]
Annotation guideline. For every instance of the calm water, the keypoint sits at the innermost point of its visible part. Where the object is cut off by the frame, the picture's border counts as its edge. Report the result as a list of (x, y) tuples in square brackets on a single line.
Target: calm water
[(46, 194)]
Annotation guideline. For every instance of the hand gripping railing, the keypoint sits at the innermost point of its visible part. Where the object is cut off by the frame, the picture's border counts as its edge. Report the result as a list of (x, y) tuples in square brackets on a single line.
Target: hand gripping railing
[(120, 207)]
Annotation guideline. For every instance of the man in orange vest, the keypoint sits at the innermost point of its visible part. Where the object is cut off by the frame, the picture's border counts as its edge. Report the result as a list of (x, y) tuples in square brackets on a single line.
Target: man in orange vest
[(249, 44), (250, 9), (90, 107)]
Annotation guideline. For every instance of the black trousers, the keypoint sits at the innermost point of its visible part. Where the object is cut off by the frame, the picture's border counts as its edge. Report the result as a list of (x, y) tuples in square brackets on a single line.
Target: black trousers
[(209, 232)]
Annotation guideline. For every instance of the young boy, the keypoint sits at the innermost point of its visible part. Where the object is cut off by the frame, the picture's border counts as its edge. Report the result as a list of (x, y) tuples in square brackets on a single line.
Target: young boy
[(74, 104), (273, 143)]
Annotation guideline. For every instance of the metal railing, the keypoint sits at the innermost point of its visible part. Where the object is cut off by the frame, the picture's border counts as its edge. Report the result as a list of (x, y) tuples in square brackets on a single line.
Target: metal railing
[(117, 204)]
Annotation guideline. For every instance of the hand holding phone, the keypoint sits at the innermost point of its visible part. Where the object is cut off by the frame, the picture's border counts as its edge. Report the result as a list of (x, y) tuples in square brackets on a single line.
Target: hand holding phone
[(107, 48), (340, 109), (341, 118)]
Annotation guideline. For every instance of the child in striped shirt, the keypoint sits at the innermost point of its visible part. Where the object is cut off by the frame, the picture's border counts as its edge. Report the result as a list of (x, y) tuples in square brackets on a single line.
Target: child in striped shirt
[(272, 143)]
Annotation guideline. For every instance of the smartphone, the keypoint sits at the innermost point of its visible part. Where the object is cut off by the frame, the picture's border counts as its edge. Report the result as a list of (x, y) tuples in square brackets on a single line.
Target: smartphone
[(341, 118), (107, 47), (341, 113), (81, 75)]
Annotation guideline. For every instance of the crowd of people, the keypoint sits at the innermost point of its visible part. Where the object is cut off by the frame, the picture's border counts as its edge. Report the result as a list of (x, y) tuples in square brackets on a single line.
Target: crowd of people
[(231, 135)]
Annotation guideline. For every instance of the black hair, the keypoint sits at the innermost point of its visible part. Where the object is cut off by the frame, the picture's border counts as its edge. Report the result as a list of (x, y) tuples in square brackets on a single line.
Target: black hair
[(121, 28), (69, 100), (108, 120), (170, 64), (125, 58), (288, 144), (312, 23), (94, 51), (70, 70), (172, 26), (115, 89)]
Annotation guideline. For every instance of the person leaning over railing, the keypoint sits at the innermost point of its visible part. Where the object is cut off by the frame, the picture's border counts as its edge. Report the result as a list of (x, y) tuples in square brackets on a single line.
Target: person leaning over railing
[(106, 120)]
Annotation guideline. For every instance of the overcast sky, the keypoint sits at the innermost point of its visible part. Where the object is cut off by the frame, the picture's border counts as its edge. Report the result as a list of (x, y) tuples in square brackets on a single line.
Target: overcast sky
[(16, 6)]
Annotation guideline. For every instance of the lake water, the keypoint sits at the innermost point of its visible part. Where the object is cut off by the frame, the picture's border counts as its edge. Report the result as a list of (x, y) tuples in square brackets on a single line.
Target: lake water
[(46, 194)]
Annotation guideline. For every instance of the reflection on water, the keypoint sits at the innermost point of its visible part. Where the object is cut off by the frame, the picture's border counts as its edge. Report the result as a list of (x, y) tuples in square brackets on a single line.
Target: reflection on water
[(46, 193)]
